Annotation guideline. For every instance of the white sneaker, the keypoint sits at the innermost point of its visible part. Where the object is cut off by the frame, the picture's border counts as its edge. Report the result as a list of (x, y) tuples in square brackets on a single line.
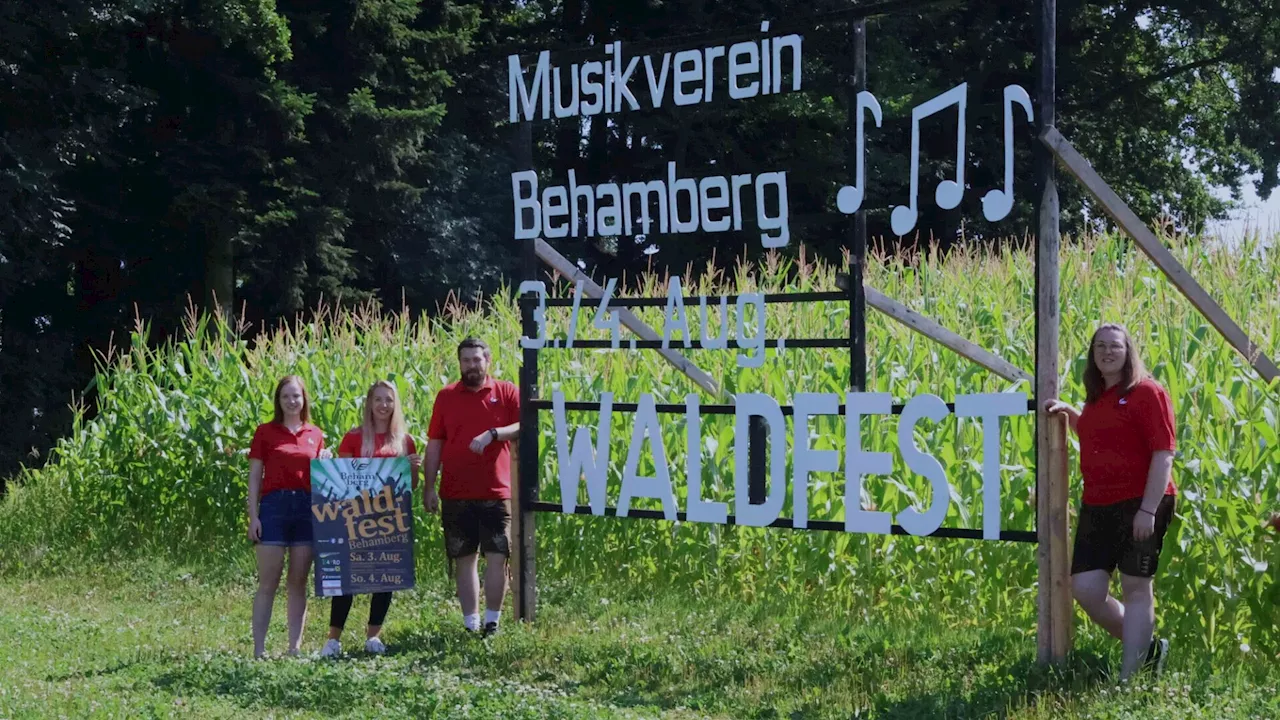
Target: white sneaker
[(332, 648), (374, 646)]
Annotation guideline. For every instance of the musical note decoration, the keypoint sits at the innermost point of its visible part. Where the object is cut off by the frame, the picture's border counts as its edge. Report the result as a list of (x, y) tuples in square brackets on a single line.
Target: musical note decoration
[(849, 199), (903, 218), (997, 203)]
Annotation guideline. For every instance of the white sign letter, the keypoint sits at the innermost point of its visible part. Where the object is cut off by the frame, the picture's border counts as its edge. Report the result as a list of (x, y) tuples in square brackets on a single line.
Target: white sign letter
[(634, 485), (709, 342), (699, 510), (526, 202), (675, 316), (692, 58), (991, 407), (539, 313), (859, 463), (582, 460), (766, 222), (754, 342), (806, 460), (749, 404), (539, 91), (922, 463)]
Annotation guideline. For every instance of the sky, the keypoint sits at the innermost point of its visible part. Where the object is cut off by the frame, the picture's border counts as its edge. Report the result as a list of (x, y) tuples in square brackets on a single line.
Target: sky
[(1254, 215)]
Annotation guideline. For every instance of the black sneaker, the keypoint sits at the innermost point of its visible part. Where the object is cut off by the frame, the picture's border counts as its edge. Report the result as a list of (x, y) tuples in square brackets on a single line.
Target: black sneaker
[(490, 628), (1156, 656)]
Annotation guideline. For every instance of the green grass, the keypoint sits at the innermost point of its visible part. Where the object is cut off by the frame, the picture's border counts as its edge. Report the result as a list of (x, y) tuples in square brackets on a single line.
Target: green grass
[(156, 640)]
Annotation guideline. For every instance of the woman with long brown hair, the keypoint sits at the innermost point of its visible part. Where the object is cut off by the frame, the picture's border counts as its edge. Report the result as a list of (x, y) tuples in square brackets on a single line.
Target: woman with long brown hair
[(1127, 444), (279, 507), (383, 433)]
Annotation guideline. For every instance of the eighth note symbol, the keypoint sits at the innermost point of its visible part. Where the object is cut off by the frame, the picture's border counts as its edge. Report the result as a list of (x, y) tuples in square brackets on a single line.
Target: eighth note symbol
[(949, 192), (996, 204), (849, 199)]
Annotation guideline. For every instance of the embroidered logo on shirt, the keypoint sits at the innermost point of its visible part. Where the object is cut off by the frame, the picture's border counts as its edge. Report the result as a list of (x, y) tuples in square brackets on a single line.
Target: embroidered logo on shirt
[(493, 399), (311, 441), (1124, 401)]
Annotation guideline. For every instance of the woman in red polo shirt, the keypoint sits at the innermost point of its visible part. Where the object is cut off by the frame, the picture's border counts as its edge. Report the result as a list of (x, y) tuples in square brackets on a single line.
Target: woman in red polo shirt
[(1127, 443), (280, 507), (383, 433)]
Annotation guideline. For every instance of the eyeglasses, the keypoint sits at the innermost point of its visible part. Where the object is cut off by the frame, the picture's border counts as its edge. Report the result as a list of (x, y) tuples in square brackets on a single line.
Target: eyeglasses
[(1113, 347)]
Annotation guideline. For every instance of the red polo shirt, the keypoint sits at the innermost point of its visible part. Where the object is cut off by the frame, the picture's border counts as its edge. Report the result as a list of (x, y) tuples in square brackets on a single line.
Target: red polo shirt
[(1117, 438), (286, 456), (457, 417), (351, 445)]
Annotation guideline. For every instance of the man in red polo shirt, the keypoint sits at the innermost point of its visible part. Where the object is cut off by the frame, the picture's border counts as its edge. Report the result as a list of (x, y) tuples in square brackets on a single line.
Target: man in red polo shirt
[(472, 423)]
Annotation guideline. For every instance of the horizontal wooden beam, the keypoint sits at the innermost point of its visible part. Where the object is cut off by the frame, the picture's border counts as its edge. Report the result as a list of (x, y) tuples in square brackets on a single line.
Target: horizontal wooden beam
[(932, 330), (1074, 163)]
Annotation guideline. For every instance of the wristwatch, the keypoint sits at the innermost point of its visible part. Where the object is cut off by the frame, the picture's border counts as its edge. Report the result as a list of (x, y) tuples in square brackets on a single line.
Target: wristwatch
[(493, 434)]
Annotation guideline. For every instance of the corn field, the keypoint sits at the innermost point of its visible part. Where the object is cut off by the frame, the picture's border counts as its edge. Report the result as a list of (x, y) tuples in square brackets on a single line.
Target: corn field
[(162, 468)]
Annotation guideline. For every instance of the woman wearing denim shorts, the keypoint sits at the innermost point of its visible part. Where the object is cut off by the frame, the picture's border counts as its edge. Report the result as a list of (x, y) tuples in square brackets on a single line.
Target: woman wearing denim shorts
[(279, 507)]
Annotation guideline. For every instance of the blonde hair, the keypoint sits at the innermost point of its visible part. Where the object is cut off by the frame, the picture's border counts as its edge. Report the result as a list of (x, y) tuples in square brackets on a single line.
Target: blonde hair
[(397, 429)]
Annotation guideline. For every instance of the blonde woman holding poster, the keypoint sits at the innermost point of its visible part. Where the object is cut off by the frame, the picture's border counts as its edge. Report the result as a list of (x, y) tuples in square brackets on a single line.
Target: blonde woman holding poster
[(279, 506), (383, 433)]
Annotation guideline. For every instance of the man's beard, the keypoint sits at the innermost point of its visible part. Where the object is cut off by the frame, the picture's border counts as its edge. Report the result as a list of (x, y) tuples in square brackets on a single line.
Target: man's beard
[(473, 378)]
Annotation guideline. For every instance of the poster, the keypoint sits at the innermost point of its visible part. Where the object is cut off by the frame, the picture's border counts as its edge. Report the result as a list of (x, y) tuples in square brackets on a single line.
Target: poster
[(362, 518)]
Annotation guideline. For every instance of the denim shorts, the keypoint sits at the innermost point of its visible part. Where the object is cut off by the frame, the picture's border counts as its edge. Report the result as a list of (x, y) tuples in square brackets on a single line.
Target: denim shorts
[(286, 517)]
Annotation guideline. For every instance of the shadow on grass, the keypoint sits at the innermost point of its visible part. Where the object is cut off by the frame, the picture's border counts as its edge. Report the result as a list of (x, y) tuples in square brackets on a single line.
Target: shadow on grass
[(881, 679), (111, 669), (997, 690)]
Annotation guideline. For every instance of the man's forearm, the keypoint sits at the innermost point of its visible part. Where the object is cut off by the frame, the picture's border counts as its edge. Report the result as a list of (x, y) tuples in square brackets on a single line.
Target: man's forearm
[(509, 432)]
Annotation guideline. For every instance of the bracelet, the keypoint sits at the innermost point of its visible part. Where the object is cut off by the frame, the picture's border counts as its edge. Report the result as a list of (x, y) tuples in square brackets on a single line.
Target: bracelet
[(1146, 511)]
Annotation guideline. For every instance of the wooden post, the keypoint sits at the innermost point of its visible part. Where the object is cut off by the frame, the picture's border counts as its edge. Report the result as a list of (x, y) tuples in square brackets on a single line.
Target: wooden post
[(514, 565), (1055, 610)]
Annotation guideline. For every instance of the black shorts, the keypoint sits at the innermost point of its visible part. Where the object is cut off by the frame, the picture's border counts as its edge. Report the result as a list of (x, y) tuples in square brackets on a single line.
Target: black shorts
[(1104, 538), (471, 525)]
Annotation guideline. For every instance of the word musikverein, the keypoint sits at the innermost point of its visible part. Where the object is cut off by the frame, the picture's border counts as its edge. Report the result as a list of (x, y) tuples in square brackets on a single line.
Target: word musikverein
[(751, 68)]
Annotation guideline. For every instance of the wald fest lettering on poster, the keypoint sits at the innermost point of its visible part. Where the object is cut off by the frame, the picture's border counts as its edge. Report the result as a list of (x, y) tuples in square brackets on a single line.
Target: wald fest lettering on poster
[(362, 516), (677, 204)]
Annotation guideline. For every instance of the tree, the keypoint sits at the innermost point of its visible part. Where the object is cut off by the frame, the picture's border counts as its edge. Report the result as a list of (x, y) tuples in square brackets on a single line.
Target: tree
[(63, 97)]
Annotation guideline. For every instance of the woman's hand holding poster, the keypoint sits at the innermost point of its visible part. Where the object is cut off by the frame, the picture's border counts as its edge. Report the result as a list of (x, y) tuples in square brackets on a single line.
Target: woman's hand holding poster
[(362, 516)]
